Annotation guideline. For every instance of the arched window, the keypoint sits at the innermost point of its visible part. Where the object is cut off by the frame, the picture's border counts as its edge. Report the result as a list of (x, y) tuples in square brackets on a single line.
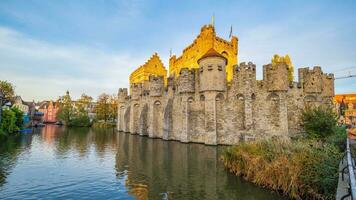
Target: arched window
[(225, 54), (253, 96), (219, 97), (202, 97), (240, 97), (273, 97)]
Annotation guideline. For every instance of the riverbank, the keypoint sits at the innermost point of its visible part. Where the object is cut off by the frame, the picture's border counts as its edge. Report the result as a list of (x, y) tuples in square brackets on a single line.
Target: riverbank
[(300, 169)]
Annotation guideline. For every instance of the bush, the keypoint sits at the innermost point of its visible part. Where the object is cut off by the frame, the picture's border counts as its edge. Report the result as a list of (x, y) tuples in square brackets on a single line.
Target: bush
[(80, 121), (19, 117), (319, 122), (302, 169), (8, 122), (338, 138)]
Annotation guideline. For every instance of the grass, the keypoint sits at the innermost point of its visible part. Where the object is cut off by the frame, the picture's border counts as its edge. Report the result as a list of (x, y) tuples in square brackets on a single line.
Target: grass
[(301, 169)]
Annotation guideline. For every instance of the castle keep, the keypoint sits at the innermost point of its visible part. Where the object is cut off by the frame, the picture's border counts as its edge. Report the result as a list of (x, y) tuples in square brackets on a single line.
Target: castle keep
[(211, 100)]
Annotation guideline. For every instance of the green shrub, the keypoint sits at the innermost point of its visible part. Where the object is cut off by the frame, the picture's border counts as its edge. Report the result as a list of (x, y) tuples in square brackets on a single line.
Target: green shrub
[(319, 122), (338, 138), (80, 121), (8, 122), (19, 117)]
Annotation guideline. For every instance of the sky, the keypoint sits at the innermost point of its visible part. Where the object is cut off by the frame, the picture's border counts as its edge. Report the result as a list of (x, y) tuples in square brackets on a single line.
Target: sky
[(48, 47)]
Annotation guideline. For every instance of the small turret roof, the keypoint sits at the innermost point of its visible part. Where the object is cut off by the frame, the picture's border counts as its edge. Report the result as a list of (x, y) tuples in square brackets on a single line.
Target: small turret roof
[(212, 53)]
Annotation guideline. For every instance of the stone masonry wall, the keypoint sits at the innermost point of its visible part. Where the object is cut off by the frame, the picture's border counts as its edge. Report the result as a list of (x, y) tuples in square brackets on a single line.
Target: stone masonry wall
[(247, 109)]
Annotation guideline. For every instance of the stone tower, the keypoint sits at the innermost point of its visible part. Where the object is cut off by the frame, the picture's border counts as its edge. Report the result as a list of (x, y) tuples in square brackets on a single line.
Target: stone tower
[(212, 76), (212, 71)]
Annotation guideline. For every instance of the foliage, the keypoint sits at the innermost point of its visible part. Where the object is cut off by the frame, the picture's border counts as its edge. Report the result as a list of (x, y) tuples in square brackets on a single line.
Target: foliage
[(74, 115), (66, 109), (106, 108), (7, 89), (19, 117), (83, 103), (8, 122), (113, 107), (80, 121), (319, 122), (102, 107), (338, 138), (303, 169)]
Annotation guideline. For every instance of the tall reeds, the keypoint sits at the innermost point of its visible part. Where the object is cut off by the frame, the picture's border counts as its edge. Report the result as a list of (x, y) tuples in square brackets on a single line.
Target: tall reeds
[(303, 169)]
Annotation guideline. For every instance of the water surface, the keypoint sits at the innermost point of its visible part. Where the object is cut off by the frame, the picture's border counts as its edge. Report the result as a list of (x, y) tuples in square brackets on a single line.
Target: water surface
[(81, 163)]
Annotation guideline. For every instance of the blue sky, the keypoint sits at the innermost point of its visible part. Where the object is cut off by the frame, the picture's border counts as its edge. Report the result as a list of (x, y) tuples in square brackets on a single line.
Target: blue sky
[(48, 47)]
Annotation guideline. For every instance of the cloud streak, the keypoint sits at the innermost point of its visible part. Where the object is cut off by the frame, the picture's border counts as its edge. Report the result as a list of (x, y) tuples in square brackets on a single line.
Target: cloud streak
[(42, 70)]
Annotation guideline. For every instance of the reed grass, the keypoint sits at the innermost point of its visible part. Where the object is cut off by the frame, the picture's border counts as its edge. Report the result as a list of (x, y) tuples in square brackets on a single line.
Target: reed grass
[(302, 169)]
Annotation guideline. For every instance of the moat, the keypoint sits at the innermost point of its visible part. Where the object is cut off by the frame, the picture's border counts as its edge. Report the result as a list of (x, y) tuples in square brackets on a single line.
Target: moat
[(59, 163)]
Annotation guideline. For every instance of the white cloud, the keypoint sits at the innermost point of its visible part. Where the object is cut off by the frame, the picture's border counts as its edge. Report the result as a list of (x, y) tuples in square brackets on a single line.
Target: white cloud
[(41, 70)]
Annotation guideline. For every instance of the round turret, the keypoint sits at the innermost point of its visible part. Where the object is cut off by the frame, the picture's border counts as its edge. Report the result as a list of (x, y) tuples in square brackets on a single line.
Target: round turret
[(212, 71)]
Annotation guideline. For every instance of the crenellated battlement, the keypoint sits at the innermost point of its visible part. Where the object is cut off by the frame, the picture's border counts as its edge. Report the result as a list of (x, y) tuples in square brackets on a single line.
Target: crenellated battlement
[(136, 91), (156, 85), (244, 77), (276, 76), (186, 80), (122, 95)]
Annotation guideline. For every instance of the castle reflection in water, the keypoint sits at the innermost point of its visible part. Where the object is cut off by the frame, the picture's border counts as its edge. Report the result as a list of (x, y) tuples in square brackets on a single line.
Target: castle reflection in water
[(113, 165)]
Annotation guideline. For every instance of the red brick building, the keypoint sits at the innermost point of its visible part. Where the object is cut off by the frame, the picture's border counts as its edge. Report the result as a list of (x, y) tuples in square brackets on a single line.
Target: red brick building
[(49, 110)]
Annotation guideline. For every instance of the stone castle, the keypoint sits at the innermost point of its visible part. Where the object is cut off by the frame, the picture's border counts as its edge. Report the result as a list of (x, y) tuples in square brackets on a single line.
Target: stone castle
[(209, 99)]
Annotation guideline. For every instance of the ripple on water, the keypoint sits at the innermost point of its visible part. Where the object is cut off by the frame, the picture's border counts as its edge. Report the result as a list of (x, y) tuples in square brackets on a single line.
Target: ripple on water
[(59, 163)]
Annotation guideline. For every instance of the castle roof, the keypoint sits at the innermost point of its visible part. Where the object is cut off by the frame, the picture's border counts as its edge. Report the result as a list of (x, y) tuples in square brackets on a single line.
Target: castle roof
[(212, 53)]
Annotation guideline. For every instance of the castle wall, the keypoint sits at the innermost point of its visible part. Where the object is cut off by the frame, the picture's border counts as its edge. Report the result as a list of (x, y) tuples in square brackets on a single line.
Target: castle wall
[(246, 109)]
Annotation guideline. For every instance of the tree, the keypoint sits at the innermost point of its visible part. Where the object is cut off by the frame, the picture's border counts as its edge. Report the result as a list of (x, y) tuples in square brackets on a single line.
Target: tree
[(113, 101), (7, 89), (81, 117), (319, 122), (83, 103), (66, 109), (102, 107)]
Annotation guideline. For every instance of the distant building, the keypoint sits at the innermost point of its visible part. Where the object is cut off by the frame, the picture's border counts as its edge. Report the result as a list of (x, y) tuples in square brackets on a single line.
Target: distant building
[(346, 107), (49, 110), (20, 104)]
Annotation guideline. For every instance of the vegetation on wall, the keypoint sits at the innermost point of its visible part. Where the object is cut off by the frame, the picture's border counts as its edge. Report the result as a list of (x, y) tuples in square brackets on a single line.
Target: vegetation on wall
[(304, 168)]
